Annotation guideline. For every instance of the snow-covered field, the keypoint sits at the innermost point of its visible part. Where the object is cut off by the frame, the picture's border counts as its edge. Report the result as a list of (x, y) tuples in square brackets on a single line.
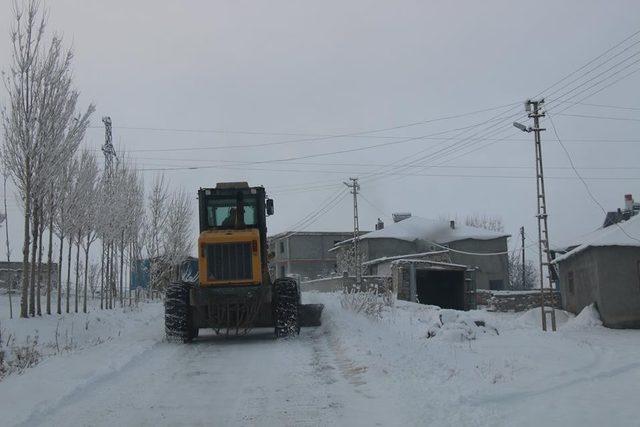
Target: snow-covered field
[(351, 371)]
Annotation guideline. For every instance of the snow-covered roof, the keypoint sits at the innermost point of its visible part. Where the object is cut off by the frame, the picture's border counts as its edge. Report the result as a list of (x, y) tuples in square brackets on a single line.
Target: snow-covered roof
[(393, 258), (625, 233), (430, 230), (436, 264), (566, 245)]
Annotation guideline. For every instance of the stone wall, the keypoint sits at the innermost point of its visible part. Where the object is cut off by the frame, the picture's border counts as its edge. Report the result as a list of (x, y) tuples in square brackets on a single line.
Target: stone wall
[(333, 284), (516, 301)]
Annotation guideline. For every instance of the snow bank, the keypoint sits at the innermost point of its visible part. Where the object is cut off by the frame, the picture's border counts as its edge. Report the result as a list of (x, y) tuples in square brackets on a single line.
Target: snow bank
[(533, 318), (459, 326), (42, 337), (588, 318)]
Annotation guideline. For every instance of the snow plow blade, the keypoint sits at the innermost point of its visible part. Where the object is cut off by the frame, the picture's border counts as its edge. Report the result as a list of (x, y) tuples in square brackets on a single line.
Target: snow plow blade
[(310, 314)]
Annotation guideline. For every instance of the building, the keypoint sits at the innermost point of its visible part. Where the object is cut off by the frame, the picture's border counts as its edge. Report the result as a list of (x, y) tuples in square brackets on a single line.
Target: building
[(305, 253), (11, 273), (605, 269), (416, 237), (630, 209)]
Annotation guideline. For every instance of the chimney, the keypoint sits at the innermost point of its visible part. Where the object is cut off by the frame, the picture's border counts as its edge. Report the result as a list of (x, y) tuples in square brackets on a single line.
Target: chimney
[(452, 224), (379, 224), (628, 202), (399, 216)]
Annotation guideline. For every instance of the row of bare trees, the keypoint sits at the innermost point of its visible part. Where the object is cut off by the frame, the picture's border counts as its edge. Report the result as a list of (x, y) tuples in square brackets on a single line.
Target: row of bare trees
[(66, 198)]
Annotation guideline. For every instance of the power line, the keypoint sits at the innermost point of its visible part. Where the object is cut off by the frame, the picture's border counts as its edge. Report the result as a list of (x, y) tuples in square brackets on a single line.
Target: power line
[(586, 186), (589, 116), (614, 107), (313, 137)]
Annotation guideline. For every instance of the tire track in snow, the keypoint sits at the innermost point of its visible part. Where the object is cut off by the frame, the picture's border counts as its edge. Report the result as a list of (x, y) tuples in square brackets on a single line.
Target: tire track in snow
[(40, 416)]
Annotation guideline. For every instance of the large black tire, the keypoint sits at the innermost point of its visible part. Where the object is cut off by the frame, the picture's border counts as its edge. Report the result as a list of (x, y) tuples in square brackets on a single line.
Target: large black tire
[(286, 301), (178, 318)]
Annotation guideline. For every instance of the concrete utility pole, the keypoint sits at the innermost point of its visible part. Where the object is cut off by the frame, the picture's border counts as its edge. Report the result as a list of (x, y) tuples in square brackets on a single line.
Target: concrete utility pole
[(544, 254), (523, 262), (355, 187), (109, 154)]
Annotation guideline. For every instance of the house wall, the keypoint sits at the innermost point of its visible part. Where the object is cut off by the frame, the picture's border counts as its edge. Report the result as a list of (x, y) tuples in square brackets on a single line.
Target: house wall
[(378, 248), (619, 286), (608, 276), (584, 268), (370, 249), (306, 255), (489, 267)]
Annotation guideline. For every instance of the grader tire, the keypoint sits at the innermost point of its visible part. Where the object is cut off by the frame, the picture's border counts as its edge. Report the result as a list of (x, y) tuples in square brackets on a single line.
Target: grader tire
[(178, 321), (286, 305)]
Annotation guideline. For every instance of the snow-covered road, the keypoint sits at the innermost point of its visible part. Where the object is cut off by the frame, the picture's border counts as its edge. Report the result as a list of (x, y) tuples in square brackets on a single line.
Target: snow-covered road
[(249, 380), (351, 371)]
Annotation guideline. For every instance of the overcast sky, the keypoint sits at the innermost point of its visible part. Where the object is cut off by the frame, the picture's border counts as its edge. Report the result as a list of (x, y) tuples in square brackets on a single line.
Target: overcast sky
[(274, 71)]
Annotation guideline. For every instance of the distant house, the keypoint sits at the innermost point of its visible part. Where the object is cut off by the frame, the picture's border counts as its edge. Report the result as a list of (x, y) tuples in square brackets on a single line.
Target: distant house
[(11, 274), (630, 209), (305, 253), (415, 236), (604, 269)]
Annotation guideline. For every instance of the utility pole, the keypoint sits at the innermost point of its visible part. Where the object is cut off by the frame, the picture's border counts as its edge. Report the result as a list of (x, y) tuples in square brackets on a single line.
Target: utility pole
[(534, 111), (109, 153), (355, 187), (523, 262)]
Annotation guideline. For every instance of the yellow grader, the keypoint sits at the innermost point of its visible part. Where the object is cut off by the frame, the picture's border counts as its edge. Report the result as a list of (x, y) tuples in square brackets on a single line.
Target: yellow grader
[(233, 291)]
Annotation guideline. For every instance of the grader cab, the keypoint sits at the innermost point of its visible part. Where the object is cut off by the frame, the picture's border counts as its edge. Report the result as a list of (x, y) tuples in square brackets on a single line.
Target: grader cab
[(233, 292)]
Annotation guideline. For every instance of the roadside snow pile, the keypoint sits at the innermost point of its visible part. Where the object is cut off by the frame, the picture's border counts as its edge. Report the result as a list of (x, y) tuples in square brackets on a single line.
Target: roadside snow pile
[(533, 318), (24, 343), (588, 318), (459, 326)]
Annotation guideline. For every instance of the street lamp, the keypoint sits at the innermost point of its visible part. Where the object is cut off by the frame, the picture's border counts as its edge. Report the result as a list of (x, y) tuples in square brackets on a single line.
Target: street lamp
[(522, 127)]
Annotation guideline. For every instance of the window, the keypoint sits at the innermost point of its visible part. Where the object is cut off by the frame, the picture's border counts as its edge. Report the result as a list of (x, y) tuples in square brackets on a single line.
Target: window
[(223, 212), (570, 282), (283, 271), (281, 246)]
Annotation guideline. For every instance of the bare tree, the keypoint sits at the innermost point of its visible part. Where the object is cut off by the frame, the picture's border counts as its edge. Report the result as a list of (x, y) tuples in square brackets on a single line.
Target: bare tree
[(488, 222), (6, 231), (94, 279), (20, 121), (515, 273), (39, 127), (158, 201), (176, 237), (88, 177)]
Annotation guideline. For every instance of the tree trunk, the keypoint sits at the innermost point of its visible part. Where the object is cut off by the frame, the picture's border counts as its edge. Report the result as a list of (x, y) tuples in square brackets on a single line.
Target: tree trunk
[(77, 270), (68, 296), (50, 253), (10, 274), (86, 275), (121, 270), (114, 275), (59, 284), (34, 252), (102, 278), (24, 300), (39, 276), (49, 266), (108, 278)]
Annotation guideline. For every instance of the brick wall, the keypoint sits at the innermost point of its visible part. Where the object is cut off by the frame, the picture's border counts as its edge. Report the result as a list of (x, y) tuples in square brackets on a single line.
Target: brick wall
[(516, 300)]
